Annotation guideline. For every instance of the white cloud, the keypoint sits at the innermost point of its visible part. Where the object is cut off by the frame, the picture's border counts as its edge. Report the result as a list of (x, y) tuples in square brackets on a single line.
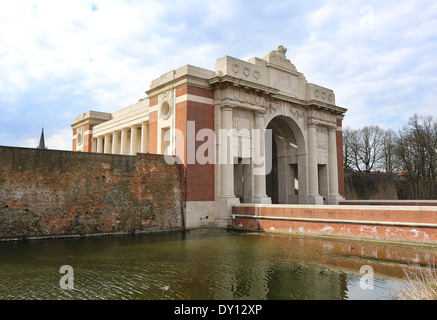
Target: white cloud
[(61, 58), (379, 73), (61, 140), (220, 11), (55, 39)]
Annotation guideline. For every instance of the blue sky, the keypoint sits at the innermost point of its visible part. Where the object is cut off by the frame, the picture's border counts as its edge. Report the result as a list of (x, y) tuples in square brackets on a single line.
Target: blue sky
[(62, 58)]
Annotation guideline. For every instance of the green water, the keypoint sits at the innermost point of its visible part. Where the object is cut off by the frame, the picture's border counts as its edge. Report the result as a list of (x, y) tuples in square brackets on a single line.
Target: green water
[(197, 265)]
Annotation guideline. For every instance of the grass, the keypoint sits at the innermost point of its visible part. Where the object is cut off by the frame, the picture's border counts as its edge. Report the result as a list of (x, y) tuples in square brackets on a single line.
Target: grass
[(420, 284)]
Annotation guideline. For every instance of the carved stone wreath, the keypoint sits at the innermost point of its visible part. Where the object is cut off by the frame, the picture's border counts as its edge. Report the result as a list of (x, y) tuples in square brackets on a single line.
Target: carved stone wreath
[(166, 102), (79, 138)]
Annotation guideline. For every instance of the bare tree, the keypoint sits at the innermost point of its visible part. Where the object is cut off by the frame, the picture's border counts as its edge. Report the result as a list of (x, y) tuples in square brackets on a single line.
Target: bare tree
[(363, 148), (389, 161), (411, 152), (349, 157), (417, 152), (371, 147)]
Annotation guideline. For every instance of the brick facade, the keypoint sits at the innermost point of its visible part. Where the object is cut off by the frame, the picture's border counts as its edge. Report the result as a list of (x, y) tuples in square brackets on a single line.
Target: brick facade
[(199, 177)]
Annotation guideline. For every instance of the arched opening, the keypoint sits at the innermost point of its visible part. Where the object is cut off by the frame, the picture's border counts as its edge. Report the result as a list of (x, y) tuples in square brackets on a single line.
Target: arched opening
[(286, 181)]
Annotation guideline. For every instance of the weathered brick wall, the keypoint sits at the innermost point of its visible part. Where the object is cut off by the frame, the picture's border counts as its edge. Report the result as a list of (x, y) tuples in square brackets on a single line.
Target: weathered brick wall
[(53, 193), (385, 223)]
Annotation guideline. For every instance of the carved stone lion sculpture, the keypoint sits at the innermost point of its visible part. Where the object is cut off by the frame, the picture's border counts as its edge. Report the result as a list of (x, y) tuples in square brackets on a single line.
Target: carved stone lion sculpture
[(281, 51)]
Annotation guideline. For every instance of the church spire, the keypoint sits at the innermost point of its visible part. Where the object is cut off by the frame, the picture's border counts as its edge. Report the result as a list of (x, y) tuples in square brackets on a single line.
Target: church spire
[(41, 140)]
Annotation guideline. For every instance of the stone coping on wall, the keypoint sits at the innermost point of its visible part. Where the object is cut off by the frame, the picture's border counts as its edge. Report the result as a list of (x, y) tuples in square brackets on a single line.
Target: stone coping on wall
[(422, 203), (340, 207)]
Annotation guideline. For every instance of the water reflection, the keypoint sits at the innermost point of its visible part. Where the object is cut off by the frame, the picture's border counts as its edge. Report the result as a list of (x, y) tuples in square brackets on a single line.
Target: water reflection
[(202, 264)]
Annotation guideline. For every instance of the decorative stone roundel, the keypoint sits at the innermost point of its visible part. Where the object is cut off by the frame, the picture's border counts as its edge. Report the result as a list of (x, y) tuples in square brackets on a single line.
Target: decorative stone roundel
[(80, 134), (79, 139), (165, 110)]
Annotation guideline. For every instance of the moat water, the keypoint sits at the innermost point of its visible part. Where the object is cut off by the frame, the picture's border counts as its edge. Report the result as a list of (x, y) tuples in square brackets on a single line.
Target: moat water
[(204, 265)]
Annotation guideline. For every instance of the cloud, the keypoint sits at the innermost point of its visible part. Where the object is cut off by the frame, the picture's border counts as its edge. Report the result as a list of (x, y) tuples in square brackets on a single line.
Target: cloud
[(60, 140), (375, 57), (59, 59)]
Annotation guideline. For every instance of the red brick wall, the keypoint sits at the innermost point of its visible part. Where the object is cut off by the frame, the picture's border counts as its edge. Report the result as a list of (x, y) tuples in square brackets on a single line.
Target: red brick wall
[(181, 124), (181, 142), (153, 126), (378, 223), (199, 177), (87, 138), (201, 92), (52, 193), (74, 140)]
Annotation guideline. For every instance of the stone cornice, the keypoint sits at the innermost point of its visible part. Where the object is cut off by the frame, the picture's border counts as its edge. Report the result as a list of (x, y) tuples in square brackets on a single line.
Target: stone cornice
[(261, 90), (177, 83), (222, 81), (325, 107), (186, 75), (91, 117)]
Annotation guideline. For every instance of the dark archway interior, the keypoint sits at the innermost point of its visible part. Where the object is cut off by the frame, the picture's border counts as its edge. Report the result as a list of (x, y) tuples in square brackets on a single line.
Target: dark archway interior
[(282, 181)]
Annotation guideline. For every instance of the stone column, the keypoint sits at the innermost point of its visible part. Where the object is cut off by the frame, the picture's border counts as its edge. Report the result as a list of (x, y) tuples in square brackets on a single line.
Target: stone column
[(145, 137), (116, 142), (228, 167), (134, 140), (302, 176), (124, 141), (108, 143), (259, 160), (100, 144), (313, 172), (227, 197), (334, 197), (93, 144)]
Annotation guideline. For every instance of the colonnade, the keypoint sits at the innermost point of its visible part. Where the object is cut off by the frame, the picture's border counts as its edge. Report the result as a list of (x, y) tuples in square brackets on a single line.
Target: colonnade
[(127, 141)]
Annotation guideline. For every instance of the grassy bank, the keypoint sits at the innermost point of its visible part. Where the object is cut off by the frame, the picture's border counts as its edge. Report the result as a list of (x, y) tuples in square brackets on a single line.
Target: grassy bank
[(420, 284)]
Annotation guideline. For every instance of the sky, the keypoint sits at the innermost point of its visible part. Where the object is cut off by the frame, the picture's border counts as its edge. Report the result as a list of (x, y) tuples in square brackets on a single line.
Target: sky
[(59, 58)]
